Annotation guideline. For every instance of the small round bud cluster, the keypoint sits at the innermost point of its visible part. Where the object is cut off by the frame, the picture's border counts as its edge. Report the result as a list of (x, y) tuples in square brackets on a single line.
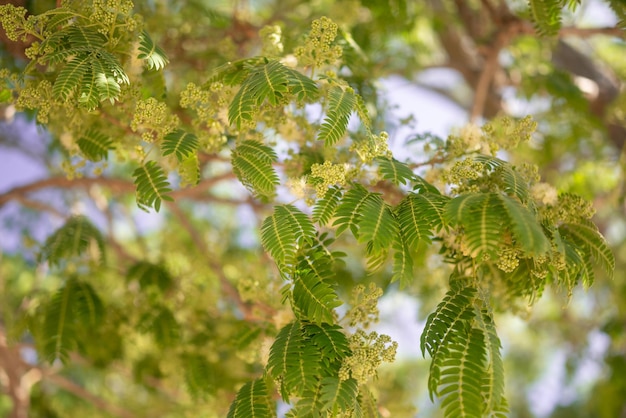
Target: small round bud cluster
[(271, 37), (507, 133), (463, 174), (569, 208), (13, 20), (364, 310), (37, 97), (106, 12), (318, 48), (153, 120), (368, 352), (376, 146), (326, 175), (211, 107), (507, 259), (529, 171)]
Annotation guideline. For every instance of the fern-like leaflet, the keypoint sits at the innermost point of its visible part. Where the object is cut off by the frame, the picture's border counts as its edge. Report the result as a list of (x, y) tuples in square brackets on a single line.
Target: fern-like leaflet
[(514, 183), (294, 362), (180, 143), (262, 80), (150, 52), (152, 186), (78, 236), (252, 164), (150, 275), (95, 145), (284, 232), (252, 401), (528, 232), (586, 242), (338, 395), (395, 171), (377, 224), (313, 297), (340, 105), (546, 15), (480, 215), (73, 308), (325, 207)]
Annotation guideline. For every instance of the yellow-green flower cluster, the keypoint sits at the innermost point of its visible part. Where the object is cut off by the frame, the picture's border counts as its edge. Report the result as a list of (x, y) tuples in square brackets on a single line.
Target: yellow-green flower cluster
[(318, 48), (375, 146), (326, 175), (368, 352), (211, 107), (505, 132), (570, 208), (464, 172), (106, 12), (507, 259), (153, 120), (37, 97), (364, 310), (13, 20), (271, 38)]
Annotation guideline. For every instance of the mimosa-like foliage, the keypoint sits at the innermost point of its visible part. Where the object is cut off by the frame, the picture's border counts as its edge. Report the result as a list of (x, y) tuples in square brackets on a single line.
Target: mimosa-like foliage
[(334, 201)]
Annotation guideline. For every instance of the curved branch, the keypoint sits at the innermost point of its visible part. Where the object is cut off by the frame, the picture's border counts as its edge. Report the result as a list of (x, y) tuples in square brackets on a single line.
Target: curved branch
[(116, 185)]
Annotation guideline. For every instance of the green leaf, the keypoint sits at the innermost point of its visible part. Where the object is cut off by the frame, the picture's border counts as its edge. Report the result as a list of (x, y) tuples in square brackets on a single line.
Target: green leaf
[(586, 236), (493, 381), (70, 77), (349, 211), (88, 95), (546, 15), (95, 145), (340, 104), (81, 36), (58, 329), (449, 319), (150, 52), (87, 306), (377, 224), (325, 207), (283, 233), (526, 228), (199, 375), (402, 262), (161, 323), (252, 401), (267, 82), (339, 394), (252, 164), (149, 275), (461, 377), (77, 237), (302, 87), (279, 239), (332, 344), (481, 217), (395, 171), (514, 183), (416, 217), (180, 143), (152, 186), (293, 361), (108, 88), (314, 297)]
